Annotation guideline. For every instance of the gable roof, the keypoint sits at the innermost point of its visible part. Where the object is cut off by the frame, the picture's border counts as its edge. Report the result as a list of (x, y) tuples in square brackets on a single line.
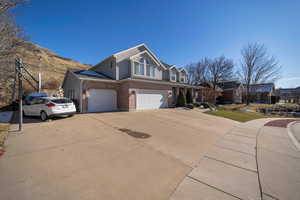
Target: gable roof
[(169, 67), (289, 90), (146, 52), (149, 51), (182, 69), (229, 85), (208, 84), (263, 87)]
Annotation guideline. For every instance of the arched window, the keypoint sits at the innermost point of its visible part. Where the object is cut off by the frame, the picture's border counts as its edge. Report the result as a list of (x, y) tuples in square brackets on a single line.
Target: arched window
[(141, 64)]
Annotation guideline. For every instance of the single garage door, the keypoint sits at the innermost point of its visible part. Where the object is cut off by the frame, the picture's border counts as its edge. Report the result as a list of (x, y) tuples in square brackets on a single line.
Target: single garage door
[(101, 100), (151, 99)]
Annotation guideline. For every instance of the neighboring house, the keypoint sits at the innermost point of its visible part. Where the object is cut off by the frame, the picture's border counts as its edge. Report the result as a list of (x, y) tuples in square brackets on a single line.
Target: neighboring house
[(207, 93), (133, 79), (262, 93), (288, 95), (232, 92)]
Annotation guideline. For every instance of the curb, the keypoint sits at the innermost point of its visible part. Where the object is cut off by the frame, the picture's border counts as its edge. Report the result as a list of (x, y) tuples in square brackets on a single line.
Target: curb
[(291, 135)]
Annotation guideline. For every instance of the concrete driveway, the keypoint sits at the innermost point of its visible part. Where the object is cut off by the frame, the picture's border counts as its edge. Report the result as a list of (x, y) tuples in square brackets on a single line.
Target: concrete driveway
[(124, 155)]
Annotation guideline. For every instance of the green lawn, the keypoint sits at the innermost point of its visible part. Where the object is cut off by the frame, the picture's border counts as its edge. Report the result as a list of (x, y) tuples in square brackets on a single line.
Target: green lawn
[(237, 115), (3, 132)]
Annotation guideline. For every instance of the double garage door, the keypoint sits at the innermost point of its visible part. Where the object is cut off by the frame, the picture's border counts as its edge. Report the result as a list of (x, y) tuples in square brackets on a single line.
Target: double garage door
[(103, 100), (151, 99)]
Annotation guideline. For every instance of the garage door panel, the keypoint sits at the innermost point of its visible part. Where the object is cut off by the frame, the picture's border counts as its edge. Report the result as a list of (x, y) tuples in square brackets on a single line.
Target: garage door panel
[(151, 99), (102, 100)]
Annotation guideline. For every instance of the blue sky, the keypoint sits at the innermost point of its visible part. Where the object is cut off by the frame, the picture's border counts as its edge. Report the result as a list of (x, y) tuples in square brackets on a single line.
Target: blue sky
[(179, 32)]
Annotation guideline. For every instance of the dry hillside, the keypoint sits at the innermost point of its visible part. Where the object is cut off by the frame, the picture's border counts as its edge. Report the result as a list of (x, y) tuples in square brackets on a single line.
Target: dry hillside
[(36, 58)]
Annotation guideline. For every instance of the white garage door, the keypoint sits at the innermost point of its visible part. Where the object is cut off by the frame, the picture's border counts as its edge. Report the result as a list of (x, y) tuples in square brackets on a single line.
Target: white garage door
[(101, 100), (151, 99)]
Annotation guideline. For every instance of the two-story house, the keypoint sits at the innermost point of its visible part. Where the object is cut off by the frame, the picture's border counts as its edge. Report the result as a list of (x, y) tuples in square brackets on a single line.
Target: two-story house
[(133, 79)]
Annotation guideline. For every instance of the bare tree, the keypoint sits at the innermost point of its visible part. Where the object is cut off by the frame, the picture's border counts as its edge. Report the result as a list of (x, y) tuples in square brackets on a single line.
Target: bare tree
[(197, 71), (257, 66), (10, 32), (219, 70)]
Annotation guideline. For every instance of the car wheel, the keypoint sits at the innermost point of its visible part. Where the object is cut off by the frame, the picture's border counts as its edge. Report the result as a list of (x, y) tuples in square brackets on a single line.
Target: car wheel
[(44, 116)]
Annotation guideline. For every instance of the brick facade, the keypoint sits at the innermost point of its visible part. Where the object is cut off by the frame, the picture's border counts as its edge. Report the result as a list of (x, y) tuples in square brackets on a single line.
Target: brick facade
[(127, 90)]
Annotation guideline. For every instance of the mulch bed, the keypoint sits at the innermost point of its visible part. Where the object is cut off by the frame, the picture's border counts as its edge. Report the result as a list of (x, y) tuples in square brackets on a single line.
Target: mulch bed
[(280, 123)]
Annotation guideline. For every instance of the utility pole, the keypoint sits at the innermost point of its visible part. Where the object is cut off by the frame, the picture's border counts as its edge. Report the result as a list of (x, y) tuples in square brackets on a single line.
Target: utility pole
[(23, 73), (19, 69), (40, 76)]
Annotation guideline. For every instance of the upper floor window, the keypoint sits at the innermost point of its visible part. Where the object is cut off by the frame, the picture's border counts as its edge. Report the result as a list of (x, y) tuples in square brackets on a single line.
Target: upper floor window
[(182, 77), (139, 67), (150, 68), (141, 64), (173, 75)]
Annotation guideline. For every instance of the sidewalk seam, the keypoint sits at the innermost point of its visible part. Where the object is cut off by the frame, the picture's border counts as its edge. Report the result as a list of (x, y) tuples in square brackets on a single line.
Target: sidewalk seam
[(227, 163), (233, 150), (271, 196), (258, 174), (213, 187)]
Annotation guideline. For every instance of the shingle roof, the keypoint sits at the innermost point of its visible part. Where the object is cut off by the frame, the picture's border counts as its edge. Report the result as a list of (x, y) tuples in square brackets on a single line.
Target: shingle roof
[(229, 85), (289, 90), (91, 74), (263, 87), (166, 64)]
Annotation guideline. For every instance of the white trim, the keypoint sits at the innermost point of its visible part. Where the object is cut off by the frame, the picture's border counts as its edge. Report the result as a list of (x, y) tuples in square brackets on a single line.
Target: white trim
[(174, 67), (149, 51), (182, 69), (162, 82), (170, 76), (136, 55), (154, 56), (145, 66), (100, 80), (123, 51)]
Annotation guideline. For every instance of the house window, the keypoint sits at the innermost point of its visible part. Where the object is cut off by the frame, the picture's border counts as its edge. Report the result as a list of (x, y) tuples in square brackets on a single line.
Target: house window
[(148, 69), (182, 78), (173, 75), (152, 71), (139, 67)]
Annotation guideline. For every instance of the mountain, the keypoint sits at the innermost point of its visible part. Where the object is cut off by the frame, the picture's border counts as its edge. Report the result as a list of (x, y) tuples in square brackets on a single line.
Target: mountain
[(36, 59)]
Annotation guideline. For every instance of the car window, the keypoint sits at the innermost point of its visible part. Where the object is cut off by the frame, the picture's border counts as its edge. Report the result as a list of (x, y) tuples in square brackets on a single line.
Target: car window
[(38, 101), (60, 101), (33, 101)]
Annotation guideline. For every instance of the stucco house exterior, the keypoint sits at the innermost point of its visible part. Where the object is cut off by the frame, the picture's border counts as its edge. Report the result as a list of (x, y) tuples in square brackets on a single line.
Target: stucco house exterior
[(133, 79)]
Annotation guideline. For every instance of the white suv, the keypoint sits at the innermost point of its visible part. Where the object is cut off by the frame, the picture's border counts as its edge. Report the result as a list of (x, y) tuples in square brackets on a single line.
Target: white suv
[(47, 107)]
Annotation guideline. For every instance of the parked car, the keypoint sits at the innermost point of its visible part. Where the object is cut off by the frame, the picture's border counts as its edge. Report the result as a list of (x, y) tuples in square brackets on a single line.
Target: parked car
[(47, 107), (34, 95)]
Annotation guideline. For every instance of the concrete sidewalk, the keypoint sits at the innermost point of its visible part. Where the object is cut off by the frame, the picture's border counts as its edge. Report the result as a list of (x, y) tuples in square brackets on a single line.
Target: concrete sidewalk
[(90, 156), (239, 167), (295, 129), (278, 164)]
